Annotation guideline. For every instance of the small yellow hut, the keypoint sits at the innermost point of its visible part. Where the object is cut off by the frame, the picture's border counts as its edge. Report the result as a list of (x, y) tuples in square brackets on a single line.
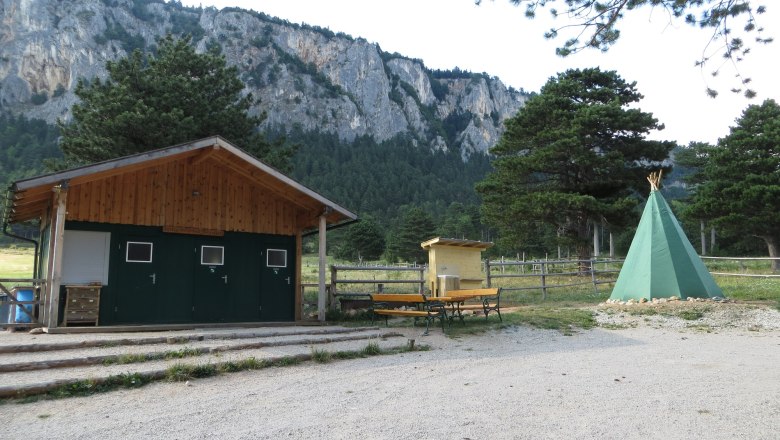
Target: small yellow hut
[(454, 264)]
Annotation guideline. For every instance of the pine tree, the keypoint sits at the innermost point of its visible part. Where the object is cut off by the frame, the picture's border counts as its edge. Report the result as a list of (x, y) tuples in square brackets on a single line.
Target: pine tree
[(739, 191), (571, 157), (416, 227)]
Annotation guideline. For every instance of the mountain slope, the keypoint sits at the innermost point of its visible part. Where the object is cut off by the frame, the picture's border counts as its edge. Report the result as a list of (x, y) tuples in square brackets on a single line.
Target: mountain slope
[(306, 77)]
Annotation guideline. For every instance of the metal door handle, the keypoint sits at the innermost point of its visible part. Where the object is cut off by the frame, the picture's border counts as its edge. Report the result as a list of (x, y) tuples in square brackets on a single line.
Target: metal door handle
[(288, 280), (154, 278), (225, 278)]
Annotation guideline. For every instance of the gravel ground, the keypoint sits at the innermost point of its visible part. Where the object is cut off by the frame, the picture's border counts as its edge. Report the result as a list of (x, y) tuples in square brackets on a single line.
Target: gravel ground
[(643, 376)]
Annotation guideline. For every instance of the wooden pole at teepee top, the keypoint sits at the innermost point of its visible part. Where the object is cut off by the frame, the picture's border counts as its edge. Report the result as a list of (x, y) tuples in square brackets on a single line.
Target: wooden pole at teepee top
[(655, 180)]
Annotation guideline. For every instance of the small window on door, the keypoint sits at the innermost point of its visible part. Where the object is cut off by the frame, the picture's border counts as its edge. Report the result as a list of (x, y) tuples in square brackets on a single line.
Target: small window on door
[(139, 252), (276, 258), (212, 255)]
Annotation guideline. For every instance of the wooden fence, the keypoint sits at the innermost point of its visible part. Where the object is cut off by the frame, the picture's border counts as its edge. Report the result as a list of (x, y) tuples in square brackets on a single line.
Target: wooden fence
[(744, 269), (572, 272), (355, 287)]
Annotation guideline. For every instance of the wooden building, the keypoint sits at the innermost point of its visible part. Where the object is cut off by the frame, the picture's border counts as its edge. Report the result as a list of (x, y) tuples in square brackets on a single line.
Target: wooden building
[(195, 233)]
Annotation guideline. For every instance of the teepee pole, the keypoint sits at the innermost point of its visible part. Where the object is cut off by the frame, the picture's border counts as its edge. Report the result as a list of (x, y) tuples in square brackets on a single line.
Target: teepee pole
[(655, 180)]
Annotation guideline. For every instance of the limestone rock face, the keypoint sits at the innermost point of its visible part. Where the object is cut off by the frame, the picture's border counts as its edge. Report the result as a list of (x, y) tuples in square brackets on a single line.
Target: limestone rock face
[(304, 76)]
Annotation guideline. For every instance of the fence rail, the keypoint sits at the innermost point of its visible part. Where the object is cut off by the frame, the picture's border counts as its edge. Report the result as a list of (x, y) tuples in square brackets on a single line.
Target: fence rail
[(742, 267), (545, 270), (334, 291)]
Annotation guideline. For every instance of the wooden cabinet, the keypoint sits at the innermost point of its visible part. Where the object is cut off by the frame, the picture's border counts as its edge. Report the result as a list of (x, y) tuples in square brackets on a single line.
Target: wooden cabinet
[(82, 305)]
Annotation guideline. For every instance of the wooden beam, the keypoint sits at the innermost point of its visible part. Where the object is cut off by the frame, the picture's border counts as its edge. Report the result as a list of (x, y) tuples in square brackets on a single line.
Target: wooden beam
[(193, 231), (28, 197), (322, 294), (54, 277)]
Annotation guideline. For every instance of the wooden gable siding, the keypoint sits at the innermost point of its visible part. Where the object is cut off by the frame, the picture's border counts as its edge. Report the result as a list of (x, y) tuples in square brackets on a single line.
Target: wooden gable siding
[(163, 195)]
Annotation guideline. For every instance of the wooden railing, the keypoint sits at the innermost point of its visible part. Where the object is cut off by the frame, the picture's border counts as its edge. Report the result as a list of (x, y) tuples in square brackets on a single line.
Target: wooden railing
[(17, 308)]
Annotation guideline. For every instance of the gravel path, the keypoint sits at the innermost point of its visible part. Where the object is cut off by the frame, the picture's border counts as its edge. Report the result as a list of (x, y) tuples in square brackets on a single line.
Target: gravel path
[(643, 381)]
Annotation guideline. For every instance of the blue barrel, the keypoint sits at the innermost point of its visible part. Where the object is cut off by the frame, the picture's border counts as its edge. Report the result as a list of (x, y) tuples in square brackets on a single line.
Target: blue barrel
[(24, 295)]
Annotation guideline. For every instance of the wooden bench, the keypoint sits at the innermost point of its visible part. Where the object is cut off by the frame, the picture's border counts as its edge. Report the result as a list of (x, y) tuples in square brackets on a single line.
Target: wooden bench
[(489, 301), (384, 304)]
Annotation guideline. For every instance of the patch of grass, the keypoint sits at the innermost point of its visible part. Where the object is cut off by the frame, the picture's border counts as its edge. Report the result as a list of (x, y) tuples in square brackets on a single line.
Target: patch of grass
[(563, 319), (615, 326), (184, 372), (182, 353), (145, 357), (750, 289), (286, 361), (690, 314), (321, 356), (372, 349), (642, 311), (131, 358), (701, 328), (16, 262), (89, 387), (44, 416)]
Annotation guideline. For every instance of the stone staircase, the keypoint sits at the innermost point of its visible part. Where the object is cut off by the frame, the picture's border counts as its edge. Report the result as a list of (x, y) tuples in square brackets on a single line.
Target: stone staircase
[(36, 364)]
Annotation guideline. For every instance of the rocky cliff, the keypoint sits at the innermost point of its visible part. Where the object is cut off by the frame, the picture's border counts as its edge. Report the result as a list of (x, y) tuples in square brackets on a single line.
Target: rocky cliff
[(305, 76)]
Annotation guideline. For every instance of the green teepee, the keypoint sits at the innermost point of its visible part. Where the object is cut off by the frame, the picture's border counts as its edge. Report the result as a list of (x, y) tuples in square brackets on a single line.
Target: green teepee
[(661, 262)]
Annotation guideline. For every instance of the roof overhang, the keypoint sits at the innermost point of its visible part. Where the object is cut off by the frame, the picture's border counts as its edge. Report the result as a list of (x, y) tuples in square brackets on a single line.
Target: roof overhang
[(454, 242)]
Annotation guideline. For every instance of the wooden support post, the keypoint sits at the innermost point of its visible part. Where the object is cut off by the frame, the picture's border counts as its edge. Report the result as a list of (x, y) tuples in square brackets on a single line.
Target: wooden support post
[(54, 277), (544, 280), (487, 271), (596, 240), (43, 290), (334, 276), (322, 294)]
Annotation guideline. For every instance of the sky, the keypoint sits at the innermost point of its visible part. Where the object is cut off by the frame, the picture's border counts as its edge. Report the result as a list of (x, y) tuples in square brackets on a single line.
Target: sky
[(496, 38)]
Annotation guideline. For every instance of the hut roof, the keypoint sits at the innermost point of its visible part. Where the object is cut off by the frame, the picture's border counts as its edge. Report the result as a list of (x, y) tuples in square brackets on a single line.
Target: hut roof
[(29, 198)]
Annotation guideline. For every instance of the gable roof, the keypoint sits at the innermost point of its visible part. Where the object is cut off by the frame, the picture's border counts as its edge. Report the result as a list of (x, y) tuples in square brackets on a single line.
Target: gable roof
[(661, 261), (29, 198)]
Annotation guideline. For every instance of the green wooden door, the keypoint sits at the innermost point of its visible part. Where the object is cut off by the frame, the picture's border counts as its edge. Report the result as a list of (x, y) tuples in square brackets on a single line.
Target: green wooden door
[(244, 276), (175, 280), (211, 290), (138, 258), (277, 280)]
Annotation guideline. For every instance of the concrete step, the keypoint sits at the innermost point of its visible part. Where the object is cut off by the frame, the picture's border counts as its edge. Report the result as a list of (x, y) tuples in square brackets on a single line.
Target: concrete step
[(183, 348), (38, 372)]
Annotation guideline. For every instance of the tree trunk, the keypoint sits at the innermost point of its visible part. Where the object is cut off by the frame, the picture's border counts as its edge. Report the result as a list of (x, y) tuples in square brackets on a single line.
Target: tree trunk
[(583, 248), (703, 238), (774, 252)]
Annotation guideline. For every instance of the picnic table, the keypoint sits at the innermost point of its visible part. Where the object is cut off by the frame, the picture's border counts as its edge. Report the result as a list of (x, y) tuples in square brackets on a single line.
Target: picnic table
[(462, 300)]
